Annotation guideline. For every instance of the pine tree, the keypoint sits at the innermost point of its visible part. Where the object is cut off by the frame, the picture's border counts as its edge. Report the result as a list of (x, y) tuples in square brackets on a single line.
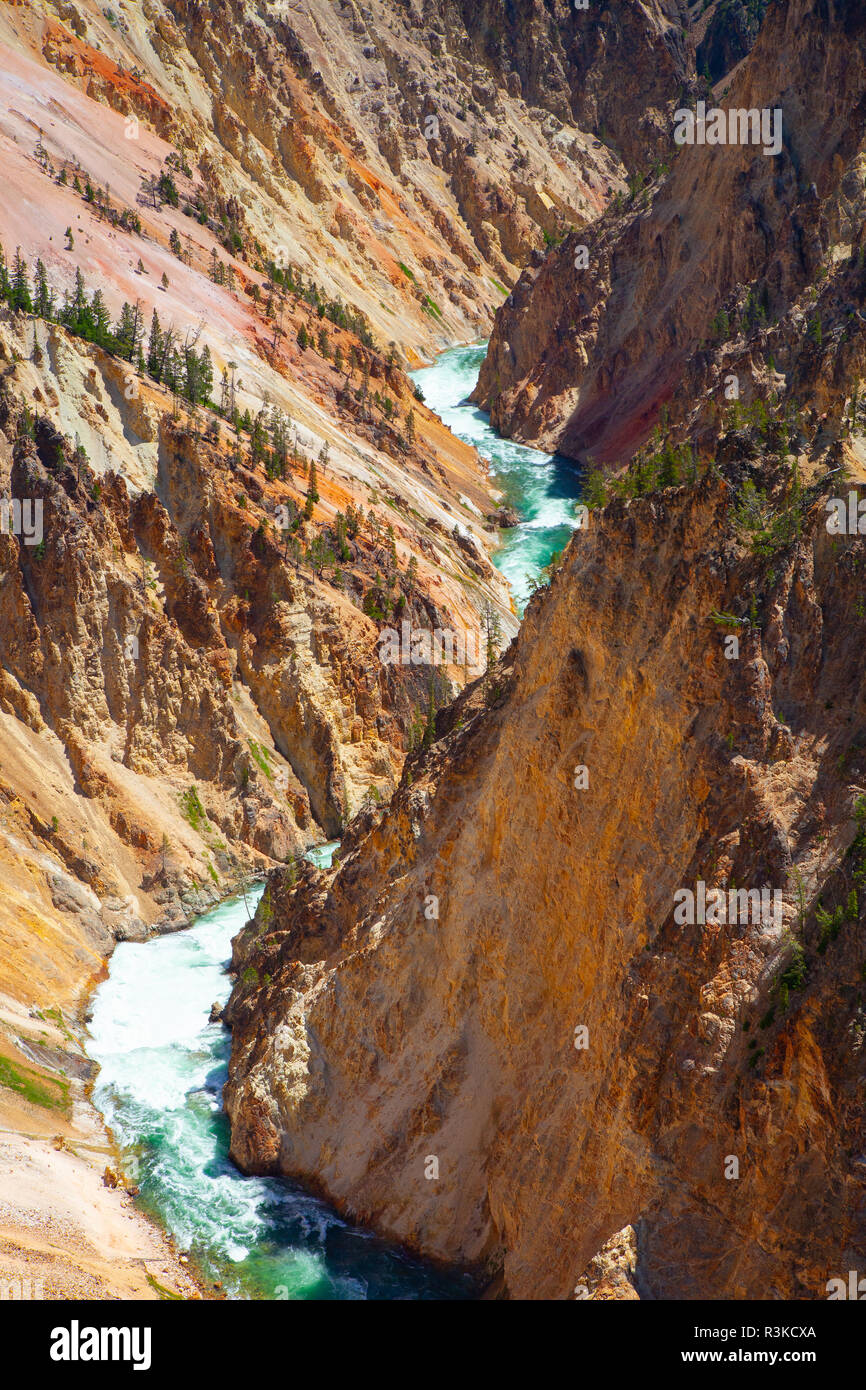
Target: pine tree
[(594, 489), (76, 313), (19, 298), (353, 520), (205, 375), (167, 188), (101, 320), (123, 331), (79, 297), (5, 283), (258, 434), (43, 303), (167, 357), (279, 442), (320, 555), (154, 347), (493, 633), (128, 331), (197, 371), (312, 491), (303, 338), (344, 553)]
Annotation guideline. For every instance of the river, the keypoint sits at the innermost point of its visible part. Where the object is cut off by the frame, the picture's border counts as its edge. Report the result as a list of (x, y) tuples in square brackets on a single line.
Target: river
[(542, 488), (163, 1064), (162, 1069)]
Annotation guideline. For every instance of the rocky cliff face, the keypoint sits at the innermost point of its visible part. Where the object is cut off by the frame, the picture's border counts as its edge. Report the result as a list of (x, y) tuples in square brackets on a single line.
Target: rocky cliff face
[(507, 1029), (190, 688), (408, 1031), (732, 263), (724, 32), (612, 70), (172, 634), (390, 150)]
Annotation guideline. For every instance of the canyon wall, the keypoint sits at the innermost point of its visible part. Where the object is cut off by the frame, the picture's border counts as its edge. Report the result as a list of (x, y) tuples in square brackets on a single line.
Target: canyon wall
[(190, 689), (381, 148), (424, 1001), (614, 70), (733, 262), (493, 1031)]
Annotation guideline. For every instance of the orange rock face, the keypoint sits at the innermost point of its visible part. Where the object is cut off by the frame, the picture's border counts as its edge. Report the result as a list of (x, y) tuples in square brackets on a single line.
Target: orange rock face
[(487, 1031)]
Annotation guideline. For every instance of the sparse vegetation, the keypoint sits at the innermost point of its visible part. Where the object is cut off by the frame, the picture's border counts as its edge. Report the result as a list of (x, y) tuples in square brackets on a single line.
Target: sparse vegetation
[(48, 1092), (193, 810)]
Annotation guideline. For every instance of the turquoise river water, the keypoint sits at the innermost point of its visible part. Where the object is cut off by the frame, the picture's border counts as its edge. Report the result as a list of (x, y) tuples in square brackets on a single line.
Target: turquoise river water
[(163, 1065), (543, 488)]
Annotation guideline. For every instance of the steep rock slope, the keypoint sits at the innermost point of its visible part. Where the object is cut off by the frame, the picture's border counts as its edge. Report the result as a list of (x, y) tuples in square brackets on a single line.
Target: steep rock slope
[(378, 147), (179, 633), (423, 1002), (724, 32), (190, 691), (715, 268), (613, 70)]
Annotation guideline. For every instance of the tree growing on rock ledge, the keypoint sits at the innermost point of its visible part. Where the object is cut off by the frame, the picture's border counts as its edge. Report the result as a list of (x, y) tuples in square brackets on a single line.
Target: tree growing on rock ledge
[(312, 491)]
